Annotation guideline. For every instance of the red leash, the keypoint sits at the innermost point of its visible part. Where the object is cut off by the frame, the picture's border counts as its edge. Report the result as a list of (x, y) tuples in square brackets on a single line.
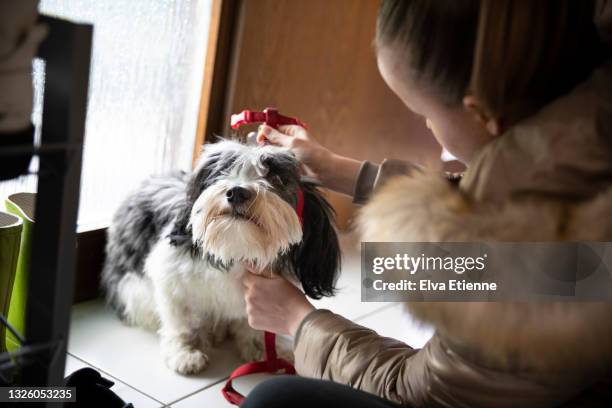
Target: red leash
[(271, 363)]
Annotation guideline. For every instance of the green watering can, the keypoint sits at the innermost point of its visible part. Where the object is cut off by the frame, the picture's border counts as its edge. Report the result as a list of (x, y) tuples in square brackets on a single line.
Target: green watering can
[(21, 207), (10, 238)]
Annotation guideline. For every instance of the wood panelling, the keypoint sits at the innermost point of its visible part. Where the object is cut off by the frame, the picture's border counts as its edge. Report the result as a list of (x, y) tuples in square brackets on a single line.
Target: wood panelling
[(90, 259), (314, 59)]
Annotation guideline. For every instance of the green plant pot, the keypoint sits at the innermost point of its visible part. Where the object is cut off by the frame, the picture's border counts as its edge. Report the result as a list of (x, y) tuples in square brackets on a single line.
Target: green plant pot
[(10, 238), (22, 206)]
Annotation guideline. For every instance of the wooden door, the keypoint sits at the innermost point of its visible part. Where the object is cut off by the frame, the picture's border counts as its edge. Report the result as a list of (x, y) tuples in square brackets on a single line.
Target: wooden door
[(314, 59)]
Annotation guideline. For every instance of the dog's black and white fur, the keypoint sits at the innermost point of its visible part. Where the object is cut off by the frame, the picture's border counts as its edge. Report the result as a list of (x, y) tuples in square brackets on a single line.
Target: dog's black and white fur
[(177, 246)]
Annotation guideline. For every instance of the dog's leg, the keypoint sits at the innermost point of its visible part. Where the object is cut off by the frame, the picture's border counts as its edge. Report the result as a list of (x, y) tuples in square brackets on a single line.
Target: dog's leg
[(182, 344), (183, 347), (250, 342), (217, 333), (181, 355)]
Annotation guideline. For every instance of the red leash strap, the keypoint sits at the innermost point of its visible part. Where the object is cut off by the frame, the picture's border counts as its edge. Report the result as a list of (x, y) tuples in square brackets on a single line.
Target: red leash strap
[(271, 363)]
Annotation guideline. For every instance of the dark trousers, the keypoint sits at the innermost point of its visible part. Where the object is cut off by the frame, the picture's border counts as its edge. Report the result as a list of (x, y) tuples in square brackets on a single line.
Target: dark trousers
[(299, 392)]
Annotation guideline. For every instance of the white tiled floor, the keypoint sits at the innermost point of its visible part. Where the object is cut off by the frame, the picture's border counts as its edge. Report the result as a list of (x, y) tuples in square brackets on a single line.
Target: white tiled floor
[(131, 357), (127, 393)]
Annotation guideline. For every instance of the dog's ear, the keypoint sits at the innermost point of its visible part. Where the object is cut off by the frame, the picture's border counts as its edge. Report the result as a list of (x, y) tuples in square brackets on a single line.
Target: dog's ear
[(316, 260), (181, 233)]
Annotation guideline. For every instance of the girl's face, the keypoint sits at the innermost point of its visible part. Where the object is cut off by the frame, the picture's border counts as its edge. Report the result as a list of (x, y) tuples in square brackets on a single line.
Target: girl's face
[(460, 130)]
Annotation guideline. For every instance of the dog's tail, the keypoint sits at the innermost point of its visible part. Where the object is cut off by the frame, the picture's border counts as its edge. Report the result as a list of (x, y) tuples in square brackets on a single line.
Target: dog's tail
[(134, 295)]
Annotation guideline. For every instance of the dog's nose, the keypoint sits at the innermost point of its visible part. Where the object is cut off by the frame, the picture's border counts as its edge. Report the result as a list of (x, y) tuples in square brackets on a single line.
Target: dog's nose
[(238, 195)]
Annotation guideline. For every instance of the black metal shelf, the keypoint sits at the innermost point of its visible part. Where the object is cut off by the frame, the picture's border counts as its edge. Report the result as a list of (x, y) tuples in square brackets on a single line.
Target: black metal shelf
[(67, 53)]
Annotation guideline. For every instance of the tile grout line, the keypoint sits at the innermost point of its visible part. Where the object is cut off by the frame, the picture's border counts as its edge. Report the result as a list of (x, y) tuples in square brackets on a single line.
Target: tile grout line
[(225, 379), (163, 404), (198, 391)]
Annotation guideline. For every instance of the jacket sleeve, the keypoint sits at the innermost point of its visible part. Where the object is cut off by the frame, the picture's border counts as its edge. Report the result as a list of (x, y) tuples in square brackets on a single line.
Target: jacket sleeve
[(441, 374), (328, 346), (371, 176)]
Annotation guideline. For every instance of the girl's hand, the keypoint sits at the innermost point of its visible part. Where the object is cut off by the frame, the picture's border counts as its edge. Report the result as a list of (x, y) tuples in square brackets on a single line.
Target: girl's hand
[(274, 304), (309, 152), (336, 172)]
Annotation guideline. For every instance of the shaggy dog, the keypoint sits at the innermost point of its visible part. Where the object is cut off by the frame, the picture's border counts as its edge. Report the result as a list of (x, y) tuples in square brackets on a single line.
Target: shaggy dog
[(177, 246)]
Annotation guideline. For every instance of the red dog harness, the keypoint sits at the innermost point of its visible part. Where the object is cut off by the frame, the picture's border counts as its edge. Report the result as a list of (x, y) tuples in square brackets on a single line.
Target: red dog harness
[(271, 363)]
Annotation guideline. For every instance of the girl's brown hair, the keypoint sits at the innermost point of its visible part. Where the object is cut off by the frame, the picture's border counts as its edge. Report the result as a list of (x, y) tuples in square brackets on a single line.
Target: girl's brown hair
[(514, 55)]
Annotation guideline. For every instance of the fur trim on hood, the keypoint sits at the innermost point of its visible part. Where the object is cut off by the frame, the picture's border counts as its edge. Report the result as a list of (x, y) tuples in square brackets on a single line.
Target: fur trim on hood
[(538, 335)]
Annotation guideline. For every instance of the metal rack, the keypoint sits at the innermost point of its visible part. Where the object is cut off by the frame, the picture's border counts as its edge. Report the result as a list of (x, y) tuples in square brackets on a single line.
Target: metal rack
[(41, 359)]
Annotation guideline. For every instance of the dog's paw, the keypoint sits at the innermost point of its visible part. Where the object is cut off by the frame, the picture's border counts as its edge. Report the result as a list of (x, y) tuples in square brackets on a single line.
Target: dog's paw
[(187, 361)]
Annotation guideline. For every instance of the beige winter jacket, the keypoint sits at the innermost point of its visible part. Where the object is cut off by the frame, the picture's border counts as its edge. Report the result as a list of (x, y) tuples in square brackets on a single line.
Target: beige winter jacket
[(548, 178)]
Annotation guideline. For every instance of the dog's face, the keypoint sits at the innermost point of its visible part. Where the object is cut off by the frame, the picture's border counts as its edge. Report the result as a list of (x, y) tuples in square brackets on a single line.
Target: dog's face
[(241, 207)]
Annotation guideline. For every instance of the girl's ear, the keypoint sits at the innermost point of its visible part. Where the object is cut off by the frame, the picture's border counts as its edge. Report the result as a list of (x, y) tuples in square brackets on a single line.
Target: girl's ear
[(316, 260), (478, 110)]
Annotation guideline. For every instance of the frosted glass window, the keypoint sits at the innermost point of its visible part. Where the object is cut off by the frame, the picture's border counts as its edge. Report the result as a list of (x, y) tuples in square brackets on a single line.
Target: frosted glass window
[(144, 93)]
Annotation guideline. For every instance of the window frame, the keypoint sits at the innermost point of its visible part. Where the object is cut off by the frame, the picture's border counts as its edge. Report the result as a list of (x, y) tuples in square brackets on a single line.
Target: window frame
[(221, 33)]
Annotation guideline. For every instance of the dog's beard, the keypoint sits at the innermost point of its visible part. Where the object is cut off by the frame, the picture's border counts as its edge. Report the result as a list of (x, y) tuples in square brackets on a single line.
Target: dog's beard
[(257, 234)]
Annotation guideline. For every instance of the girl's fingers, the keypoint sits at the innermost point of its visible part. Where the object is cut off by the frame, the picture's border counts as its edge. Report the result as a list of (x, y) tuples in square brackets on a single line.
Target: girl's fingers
[(273, 135), (291, 130)]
